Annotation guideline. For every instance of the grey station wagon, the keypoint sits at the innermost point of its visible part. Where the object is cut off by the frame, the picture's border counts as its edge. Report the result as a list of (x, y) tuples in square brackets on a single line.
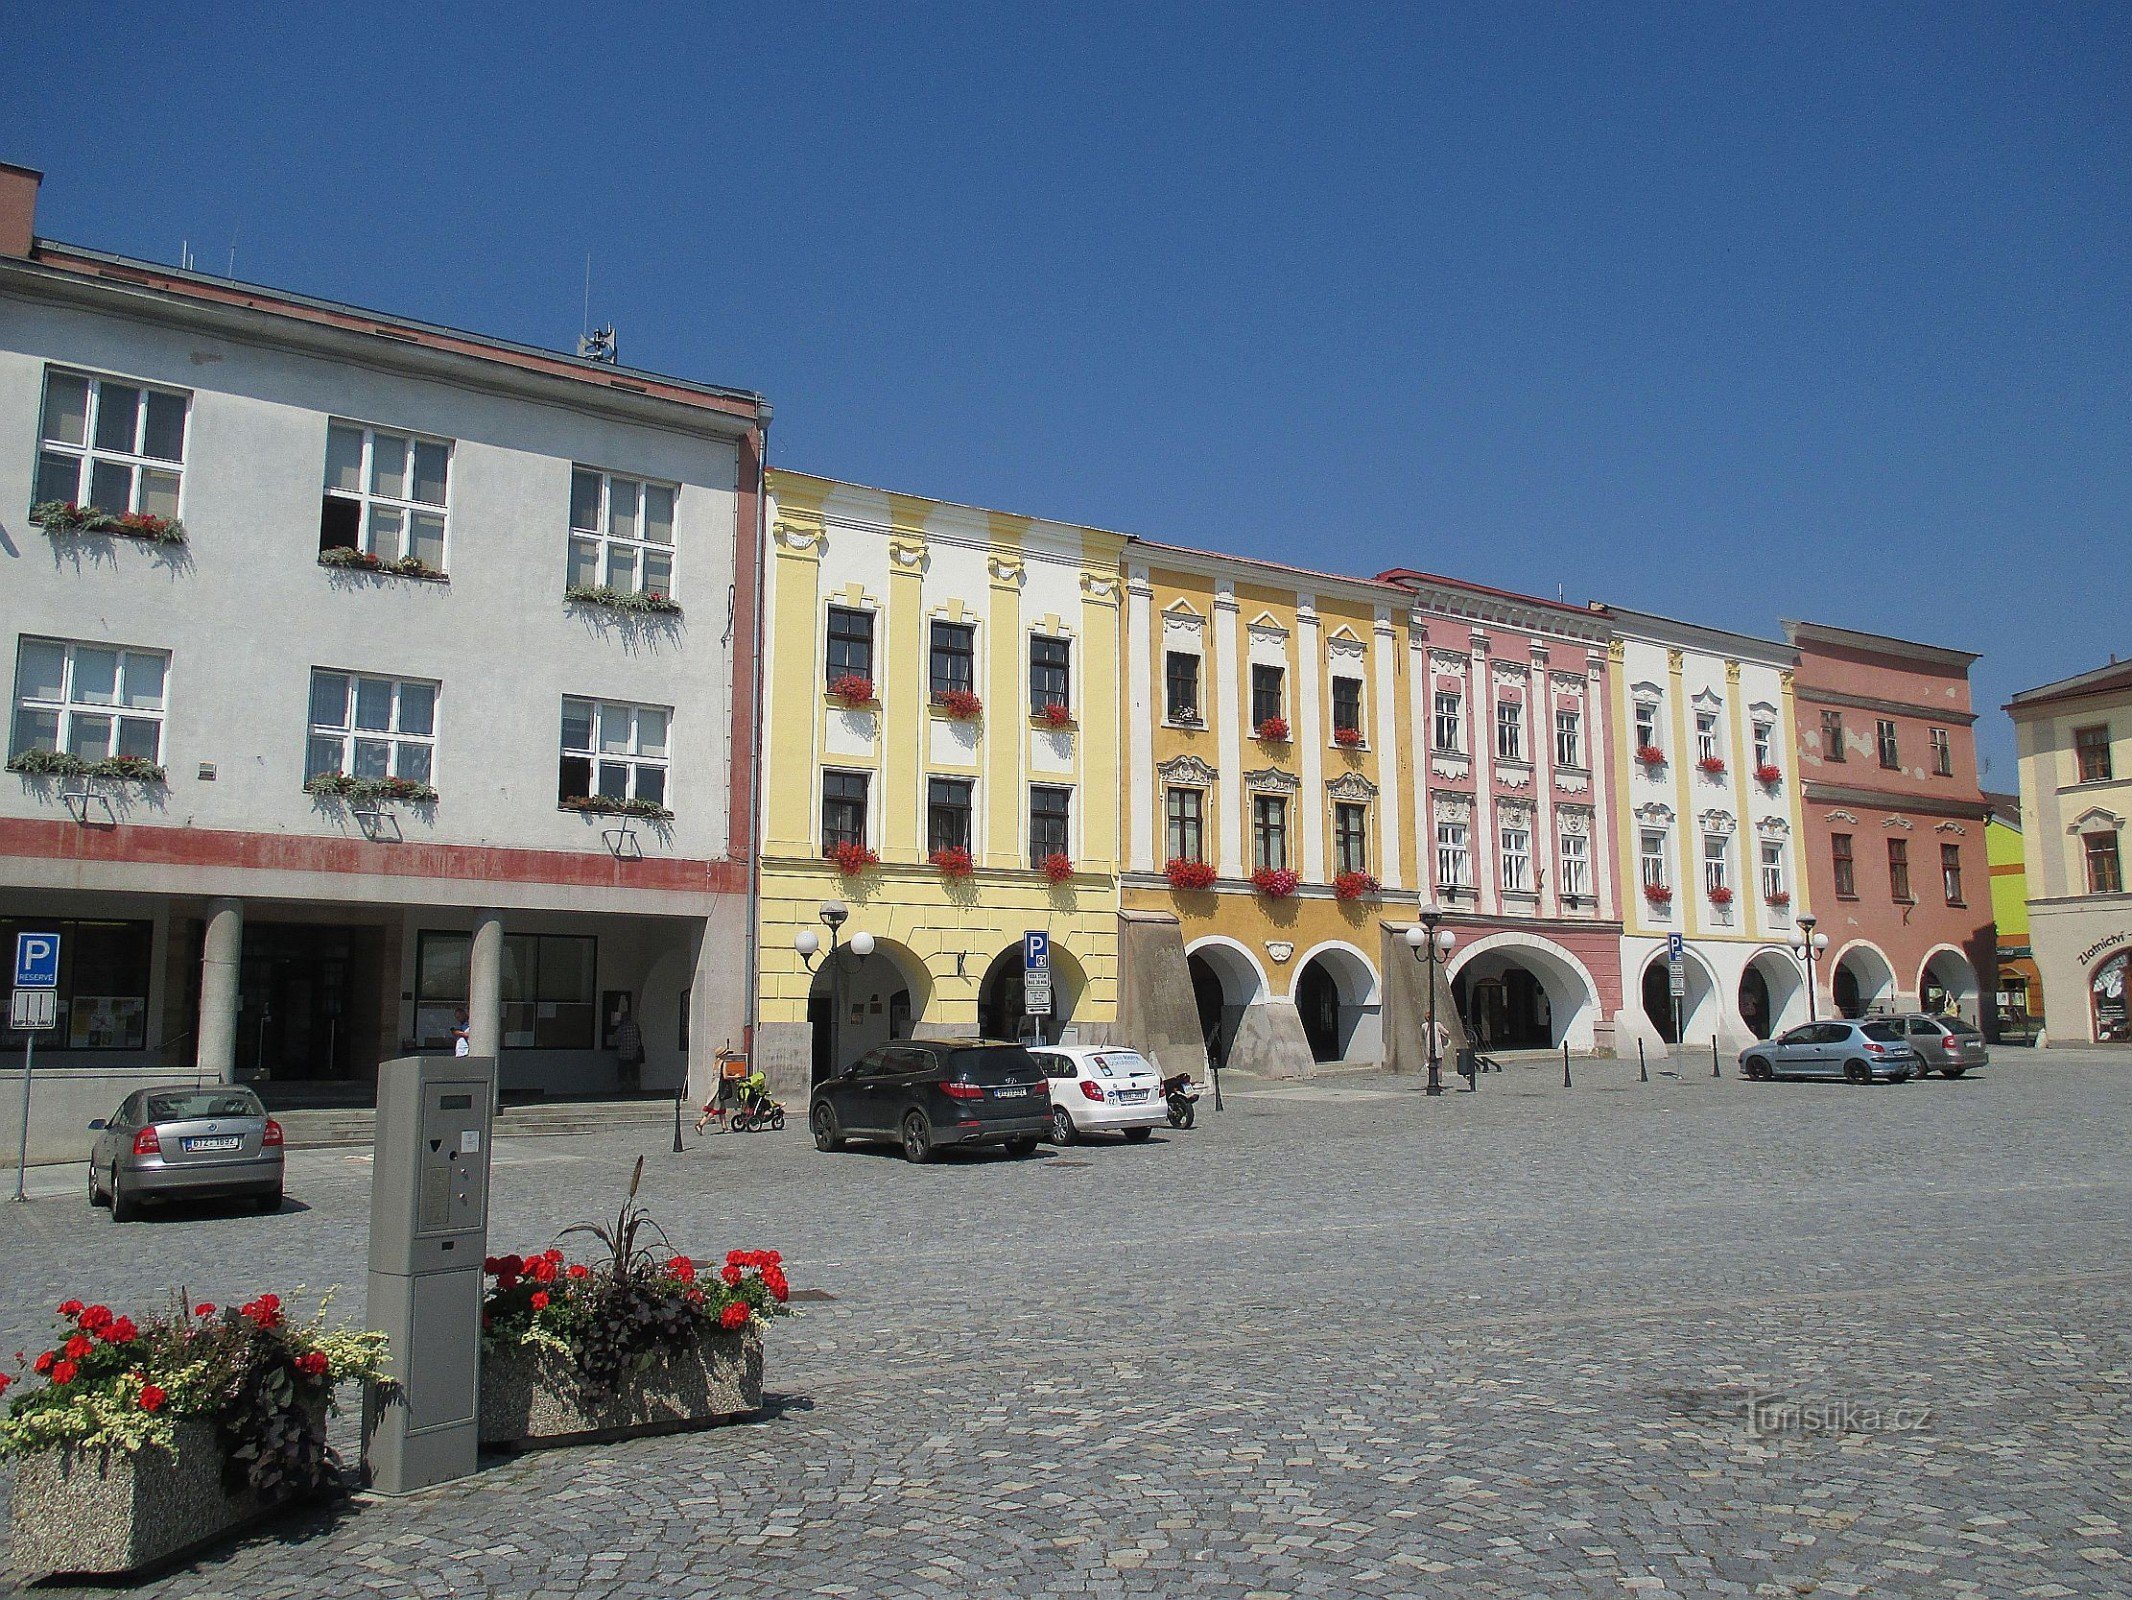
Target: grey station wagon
[(1946, 1045), (1857, 1052), (185, 1143)]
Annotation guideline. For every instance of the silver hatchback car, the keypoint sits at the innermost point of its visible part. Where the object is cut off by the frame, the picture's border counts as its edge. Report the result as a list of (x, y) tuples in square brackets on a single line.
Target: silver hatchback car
[(1857, 1052), (185, 1143), (1946, 1045)]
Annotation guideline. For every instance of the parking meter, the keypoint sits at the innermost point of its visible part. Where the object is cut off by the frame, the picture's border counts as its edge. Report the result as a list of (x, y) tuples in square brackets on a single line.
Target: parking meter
[(429, 1224)]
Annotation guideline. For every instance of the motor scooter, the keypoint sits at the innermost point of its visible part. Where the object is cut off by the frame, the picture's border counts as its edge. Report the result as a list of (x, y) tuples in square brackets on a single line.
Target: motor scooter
[(1181, 1092)]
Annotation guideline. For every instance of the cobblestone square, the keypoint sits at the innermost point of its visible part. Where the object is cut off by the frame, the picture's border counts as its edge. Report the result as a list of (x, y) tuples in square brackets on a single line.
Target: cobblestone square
[(1339, 1340)]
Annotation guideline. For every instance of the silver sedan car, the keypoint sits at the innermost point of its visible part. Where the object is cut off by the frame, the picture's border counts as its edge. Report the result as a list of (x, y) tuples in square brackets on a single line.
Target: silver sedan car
[(1857, 1052), (185, 1143)]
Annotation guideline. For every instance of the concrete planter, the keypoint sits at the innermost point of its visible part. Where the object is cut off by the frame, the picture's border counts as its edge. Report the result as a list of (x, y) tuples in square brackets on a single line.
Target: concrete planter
[(100, 1510), (530, 1397)]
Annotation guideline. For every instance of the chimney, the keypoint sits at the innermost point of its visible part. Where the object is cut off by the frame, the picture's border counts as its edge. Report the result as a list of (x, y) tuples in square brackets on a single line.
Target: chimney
[(18, 208)]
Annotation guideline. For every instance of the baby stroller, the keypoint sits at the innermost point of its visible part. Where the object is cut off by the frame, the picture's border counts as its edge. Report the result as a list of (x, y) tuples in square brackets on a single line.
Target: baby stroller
[(753, 1108)]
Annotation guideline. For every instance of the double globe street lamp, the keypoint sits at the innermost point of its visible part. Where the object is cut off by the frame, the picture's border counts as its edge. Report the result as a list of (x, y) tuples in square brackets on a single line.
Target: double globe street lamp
[(1809, 947), (1431, 945), (834, 914)]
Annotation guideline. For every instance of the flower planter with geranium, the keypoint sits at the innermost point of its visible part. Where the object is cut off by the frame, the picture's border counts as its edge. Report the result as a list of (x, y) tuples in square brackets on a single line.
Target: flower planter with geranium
[(1273, 730), (1721, 896), (1058, 867), (632, 602), (600, 805), (62, 517), (959, 704), (1189, 875), (1354, 886), (954, 863), (1276, 883), (1658, 894), (852, 691), (1650, 755), (852, 859), (1056, 714), (65, 764), (1348, 738), (1769, 775), (346, 558), (341, 786), (1711, 766), (149, 1438), (1780, 899), (639, 1341)]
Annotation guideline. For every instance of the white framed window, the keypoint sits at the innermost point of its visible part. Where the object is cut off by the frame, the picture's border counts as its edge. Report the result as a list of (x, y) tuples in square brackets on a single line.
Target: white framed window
[(1717, 863), (1765, 743), (93, 701), (371, 727), (613, 751), (1569, 737), (1509, 730), (1647, 725), (1775, 881), (114, 445), (1706, 736), (1517, 858), (1454, 859), (1450, 722), (1651, 858), (621, 533), (1576, 867), (386, 494)]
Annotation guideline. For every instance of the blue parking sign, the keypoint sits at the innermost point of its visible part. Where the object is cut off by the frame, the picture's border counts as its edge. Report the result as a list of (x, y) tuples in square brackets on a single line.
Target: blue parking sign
[(1676, 947), (36, 960), (1036, 951)]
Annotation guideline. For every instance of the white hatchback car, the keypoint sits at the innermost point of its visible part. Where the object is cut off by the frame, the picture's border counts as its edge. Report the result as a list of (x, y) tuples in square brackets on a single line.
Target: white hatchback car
[(1101, 1089)]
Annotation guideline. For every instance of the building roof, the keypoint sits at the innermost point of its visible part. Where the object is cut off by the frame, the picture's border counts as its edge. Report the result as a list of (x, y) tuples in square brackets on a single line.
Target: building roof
[(2005, 808), (1881, 644), (1724, 640), (2096, 680)]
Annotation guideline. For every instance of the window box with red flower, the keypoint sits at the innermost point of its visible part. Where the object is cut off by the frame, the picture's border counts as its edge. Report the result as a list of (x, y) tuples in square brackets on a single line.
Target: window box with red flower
[(60, 518), (1276, 883), (1721, 896), (1189, 875), (1354, 886), (147, 1438), (346, 558), (1711, 766), (1650, 755), (1780, 899), (959, 704), (954, 863), (852, 691), (1056, 714), (1348, 738), (1769, 775), (1058, 867), (632, 602), (1658, 894), (852, 859), (1274, 730), (638, 1340), (602, 805)]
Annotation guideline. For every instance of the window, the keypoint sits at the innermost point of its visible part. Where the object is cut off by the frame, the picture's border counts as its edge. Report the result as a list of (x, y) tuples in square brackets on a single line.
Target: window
[(1351, 851), (1839, 846), (1454, 863), (1569, 738), (1265, 693), (1517, 857), (1347, 706), (621, 533), (954, 658), (371, 727), (1706, 737), (385, 494), (1884, 738), (1651, 858), (947, 814), (1187, 819), (1951, 873), (1450, 722), (1509, 730), (1269, 831), (103, 983), (1576, 867), (93, 701), (119, 447), (1832, 737), (613, 751), (1049, 817), (843, 809), (1942, 753), (1899, 869), (1180, 676), (849, 651), (1717, 864), (2091, 746), (1647, 725), (2105, 869), (1773, 877), (1050, 676), (1765, 743), (549, 989)]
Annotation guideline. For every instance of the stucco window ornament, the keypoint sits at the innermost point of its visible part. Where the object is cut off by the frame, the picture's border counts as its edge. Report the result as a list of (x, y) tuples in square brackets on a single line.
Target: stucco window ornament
[(637, 602), (1187, 771), (60, 518), (1272, 780), (1352, 786)]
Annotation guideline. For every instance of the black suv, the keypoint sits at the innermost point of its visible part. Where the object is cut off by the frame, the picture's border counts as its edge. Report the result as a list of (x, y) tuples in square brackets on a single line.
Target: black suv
[(924, 1094)]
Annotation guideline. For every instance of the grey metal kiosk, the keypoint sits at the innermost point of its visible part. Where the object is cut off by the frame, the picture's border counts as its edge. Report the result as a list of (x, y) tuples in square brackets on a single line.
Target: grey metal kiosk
[(429, 1222)]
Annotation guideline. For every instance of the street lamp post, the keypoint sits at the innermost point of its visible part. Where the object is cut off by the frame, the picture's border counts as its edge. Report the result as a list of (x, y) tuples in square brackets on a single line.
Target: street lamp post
[(833, 914), (1809, 946), (1431, 945)]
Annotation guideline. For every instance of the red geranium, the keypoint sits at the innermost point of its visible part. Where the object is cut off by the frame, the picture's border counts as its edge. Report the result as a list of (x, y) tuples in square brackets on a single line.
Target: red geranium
[(203, 1309), (312, 1363), (77, 1348), (852, 689), (5, 1380), (954, 863), (1058, 867), (63, 1371), (682, 1268), (733, 1316), (42, 1366), (960, 704), (1184, 874), (95, 1319), (1354, 885), (1057, 714), (1650, 755), (1714, 765), (1273, 730), (853, 858), (1348, 738), (579, 1270), (152, 1398), (1768, 773), (121, 1331), (70, 1308), (730, 1274), (264, 1312), (539, 1301), (1276, 883)]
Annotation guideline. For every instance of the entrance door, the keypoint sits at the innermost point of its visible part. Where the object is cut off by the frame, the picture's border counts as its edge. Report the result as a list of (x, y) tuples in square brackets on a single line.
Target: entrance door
[(820, 1012), (296, 990), (1658, 1000), (1754, 1002), (1317, 999), (1844, 990)]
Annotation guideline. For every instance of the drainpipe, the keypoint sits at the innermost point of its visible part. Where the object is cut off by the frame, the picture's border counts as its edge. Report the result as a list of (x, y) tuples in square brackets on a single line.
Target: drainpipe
[(755, 750)]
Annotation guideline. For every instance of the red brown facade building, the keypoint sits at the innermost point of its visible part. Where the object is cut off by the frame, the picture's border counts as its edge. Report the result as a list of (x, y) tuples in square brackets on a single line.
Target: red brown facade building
[(1894, 849)]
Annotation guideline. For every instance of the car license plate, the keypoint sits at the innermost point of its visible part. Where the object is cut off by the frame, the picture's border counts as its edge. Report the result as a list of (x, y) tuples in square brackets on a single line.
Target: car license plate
[(1013, 1091), (1132, 1095), (229, 1143)]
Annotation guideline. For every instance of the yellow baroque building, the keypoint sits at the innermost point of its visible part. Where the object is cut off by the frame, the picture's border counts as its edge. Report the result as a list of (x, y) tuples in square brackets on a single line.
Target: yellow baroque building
[(941, 697)]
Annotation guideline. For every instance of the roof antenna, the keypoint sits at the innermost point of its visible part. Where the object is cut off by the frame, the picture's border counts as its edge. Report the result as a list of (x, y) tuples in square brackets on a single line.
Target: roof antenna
[(185, 255), (595, 344), (232, 253)]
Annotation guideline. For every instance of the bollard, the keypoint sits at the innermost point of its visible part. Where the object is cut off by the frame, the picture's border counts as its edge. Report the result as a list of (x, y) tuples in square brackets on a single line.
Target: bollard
[(1714, 1071), (1565, 1065), (1643, 1073)]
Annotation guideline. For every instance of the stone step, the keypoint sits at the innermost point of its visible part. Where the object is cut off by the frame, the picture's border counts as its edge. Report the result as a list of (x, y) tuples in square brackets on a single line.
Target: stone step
[(324, 1128)]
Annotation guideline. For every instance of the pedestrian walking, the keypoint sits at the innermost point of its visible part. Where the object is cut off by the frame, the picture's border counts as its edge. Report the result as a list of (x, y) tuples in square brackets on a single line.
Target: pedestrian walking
[(628, 1049)]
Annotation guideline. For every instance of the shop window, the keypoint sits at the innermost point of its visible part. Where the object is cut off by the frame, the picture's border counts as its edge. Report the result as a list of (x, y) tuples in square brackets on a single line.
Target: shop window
[(103, 983), (549, 989)]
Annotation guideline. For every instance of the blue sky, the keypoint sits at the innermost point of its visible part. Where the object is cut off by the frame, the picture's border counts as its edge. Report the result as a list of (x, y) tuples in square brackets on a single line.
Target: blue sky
[(1733, 313)]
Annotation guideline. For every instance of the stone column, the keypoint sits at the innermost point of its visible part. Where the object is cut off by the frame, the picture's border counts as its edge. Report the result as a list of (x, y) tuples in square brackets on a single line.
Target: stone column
[(484, 992), (220, 954)]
